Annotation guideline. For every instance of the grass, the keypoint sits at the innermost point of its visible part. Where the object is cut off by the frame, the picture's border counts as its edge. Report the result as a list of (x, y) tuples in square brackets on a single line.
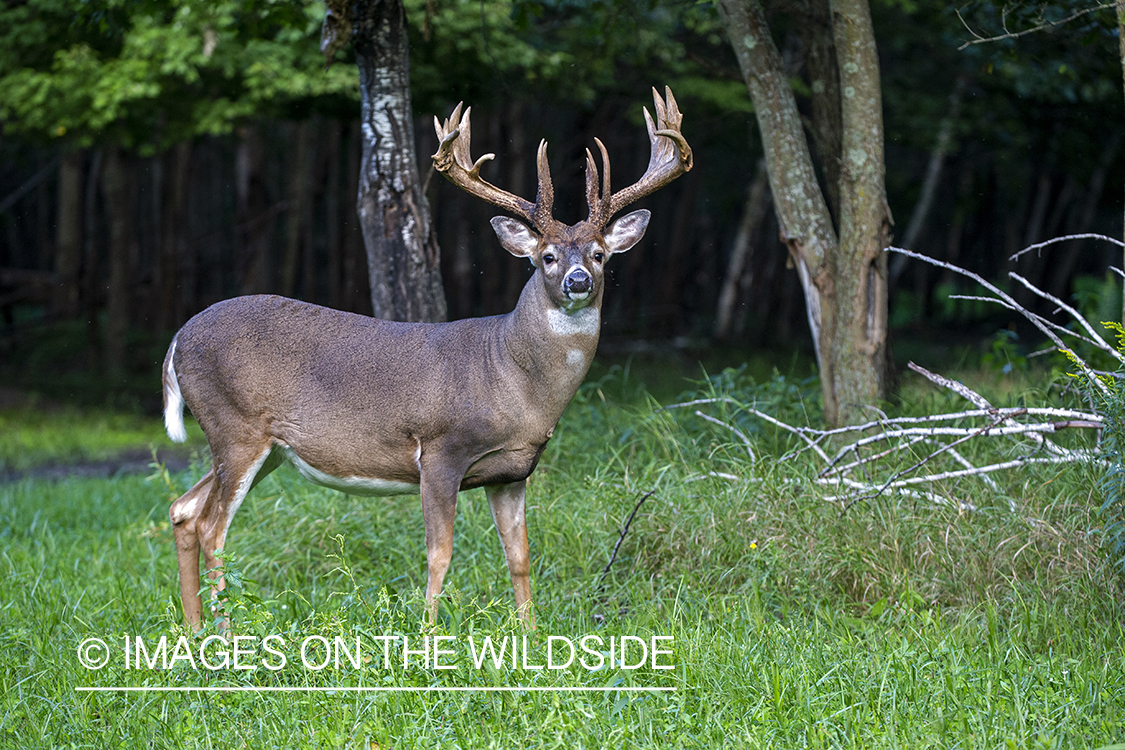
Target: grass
[(32, 438), (896, 624)]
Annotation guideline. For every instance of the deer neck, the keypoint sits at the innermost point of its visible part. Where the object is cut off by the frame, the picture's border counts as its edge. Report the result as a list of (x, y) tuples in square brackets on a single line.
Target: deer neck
[(552, 345)]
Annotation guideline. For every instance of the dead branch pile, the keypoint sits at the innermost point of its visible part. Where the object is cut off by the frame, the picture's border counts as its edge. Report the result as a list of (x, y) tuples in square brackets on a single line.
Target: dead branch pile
[(925, 456)]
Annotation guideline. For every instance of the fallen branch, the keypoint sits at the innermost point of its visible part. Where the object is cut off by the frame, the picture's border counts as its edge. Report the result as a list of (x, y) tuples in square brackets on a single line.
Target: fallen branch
[(621, 538), (869, 464), (732, 428)]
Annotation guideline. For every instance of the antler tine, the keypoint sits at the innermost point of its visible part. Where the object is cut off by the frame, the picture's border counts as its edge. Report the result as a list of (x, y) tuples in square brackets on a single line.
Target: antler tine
[(545, 194), (454, 160), (670, 155), (598, 202)]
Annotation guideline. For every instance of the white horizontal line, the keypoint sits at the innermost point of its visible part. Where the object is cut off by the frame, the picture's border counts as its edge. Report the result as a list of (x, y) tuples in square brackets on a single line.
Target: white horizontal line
[(292, 689)]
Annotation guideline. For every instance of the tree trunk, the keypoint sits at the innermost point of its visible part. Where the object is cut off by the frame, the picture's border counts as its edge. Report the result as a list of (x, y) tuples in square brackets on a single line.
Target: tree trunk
[(862, 367), (173, 226), (332, 234), (299, 214), (814, 27), (757, 201), (402, 249), (90, 273), (68, 253), (122, 256), (253, 213), (844, 280)]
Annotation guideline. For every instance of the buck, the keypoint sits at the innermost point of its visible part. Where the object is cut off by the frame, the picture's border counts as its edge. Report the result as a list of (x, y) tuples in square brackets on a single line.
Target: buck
[(374, 407)]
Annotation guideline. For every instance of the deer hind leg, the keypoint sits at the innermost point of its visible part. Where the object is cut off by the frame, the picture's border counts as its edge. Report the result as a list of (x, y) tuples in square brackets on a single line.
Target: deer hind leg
[(507, 503), (234, 480), (184, 515), (439, 509)]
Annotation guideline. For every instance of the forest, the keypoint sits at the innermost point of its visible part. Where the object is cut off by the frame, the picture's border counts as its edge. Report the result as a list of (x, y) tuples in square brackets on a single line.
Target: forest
[(848, 463), (159, 157)]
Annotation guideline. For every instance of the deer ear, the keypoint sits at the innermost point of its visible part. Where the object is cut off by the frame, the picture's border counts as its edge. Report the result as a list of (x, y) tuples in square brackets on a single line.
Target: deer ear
[(627, 231), (515, 236)]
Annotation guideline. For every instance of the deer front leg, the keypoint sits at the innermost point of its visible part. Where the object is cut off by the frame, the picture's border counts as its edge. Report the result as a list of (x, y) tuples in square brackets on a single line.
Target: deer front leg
[(507, 502), (242, 471), (439, 508), (184, 515)]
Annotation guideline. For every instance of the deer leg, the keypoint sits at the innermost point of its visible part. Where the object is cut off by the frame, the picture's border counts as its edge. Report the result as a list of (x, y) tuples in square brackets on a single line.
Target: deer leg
[(507, 502), (233, 486), (184, 515), (439, 508)]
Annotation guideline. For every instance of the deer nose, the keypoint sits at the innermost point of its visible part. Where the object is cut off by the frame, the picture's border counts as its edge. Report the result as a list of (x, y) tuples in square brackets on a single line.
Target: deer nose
[(578, 281)]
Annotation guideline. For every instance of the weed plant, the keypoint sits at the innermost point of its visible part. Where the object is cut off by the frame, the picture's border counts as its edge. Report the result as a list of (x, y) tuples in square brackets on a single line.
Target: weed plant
[(896, 624)]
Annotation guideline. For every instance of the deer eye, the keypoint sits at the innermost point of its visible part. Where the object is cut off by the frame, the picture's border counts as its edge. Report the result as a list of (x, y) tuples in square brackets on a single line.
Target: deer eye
[(548, 259), (599, 257)]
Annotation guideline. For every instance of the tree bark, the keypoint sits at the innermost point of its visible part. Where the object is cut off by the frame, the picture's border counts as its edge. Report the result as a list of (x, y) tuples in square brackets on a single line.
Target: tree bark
[(68, 253), (844, 278), (814, 27), (860, 347), (402, 250)]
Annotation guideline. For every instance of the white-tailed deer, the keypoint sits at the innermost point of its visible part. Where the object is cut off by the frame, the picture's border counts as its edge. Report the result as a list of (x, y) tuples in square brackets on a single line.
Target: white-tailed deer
[(373, 407)]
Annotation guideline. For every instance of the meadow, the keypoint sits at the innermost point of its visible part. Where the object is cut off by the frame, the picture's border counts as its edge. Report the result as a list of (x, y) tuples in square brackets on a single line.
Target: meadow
[(790, 621)]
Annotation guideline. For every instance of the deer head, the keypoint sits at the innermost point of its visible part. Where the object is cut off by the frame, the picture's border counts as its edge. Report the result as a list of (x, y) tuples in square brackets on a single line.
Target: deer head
[(570, 258)]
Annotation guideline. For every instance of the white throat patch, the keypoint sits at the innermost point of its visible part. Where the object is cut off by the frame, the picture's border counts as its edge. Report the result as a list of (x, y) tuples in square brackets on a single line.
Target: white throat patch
[(585, 321)]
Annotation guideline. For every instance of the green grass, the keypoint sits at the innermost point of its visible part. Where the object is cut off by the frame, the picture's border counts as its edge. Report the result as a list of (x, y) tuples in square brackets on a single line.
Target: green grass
[(31, 438), (896, 624)]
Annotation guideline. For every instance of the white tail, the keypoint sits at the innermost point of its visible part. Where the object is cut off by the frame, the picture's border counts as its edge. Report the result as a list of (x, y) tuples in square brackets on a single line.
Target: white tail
[(381, 408), (173, 399)]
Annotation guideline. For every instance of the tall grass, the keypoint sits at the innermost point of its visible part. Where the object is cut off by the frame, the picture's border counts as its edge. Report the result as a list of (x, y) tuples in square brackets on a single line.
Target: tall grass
[(895, 624)]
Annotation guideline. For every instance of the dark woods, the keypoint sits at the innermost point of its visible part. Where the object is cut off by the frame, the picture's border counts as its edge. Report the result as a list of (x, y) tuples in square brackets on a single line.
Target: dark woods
[(118, 249)]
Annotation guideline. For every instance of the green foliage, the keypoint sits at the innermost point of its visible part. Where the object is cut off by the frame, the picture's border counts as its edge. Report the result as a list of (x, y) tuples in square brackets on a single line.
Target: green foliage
[(149, 74), (1113, 446), (1005, 353), (1099, 298)]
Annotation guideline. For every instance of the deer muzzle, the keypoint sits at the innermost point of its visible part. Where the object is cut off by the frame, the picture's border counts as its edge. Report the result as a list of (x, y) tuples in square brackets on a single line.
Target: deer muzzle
[(578, 283)]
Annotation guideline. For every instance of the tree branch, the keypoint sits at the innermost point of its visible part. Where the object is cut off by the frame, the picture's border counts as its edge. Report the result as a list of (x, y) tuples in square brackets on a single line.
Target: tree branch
[(1016, 34)]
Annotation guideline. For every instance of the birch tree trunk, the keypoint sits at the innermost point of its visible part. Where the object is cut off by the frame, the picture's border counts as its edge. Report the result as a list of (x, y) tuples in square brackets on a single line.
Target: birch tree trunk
[(402, 250), (844, 276)]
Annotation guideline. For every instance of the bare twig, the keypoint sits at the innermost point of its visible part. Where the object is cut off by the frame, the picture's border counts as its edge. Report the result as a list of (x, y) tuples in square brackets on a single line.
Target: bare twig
[(889, 482), (1032, 317), (621, 538), (1085, 236), (1016, 34), (861, 476), (1095, 337)]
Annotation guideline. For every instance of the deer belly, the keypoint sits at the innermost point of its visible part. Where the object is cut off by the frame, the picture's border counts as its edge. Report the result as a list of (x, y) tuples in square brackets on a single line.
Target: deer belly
[(350, 485)]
